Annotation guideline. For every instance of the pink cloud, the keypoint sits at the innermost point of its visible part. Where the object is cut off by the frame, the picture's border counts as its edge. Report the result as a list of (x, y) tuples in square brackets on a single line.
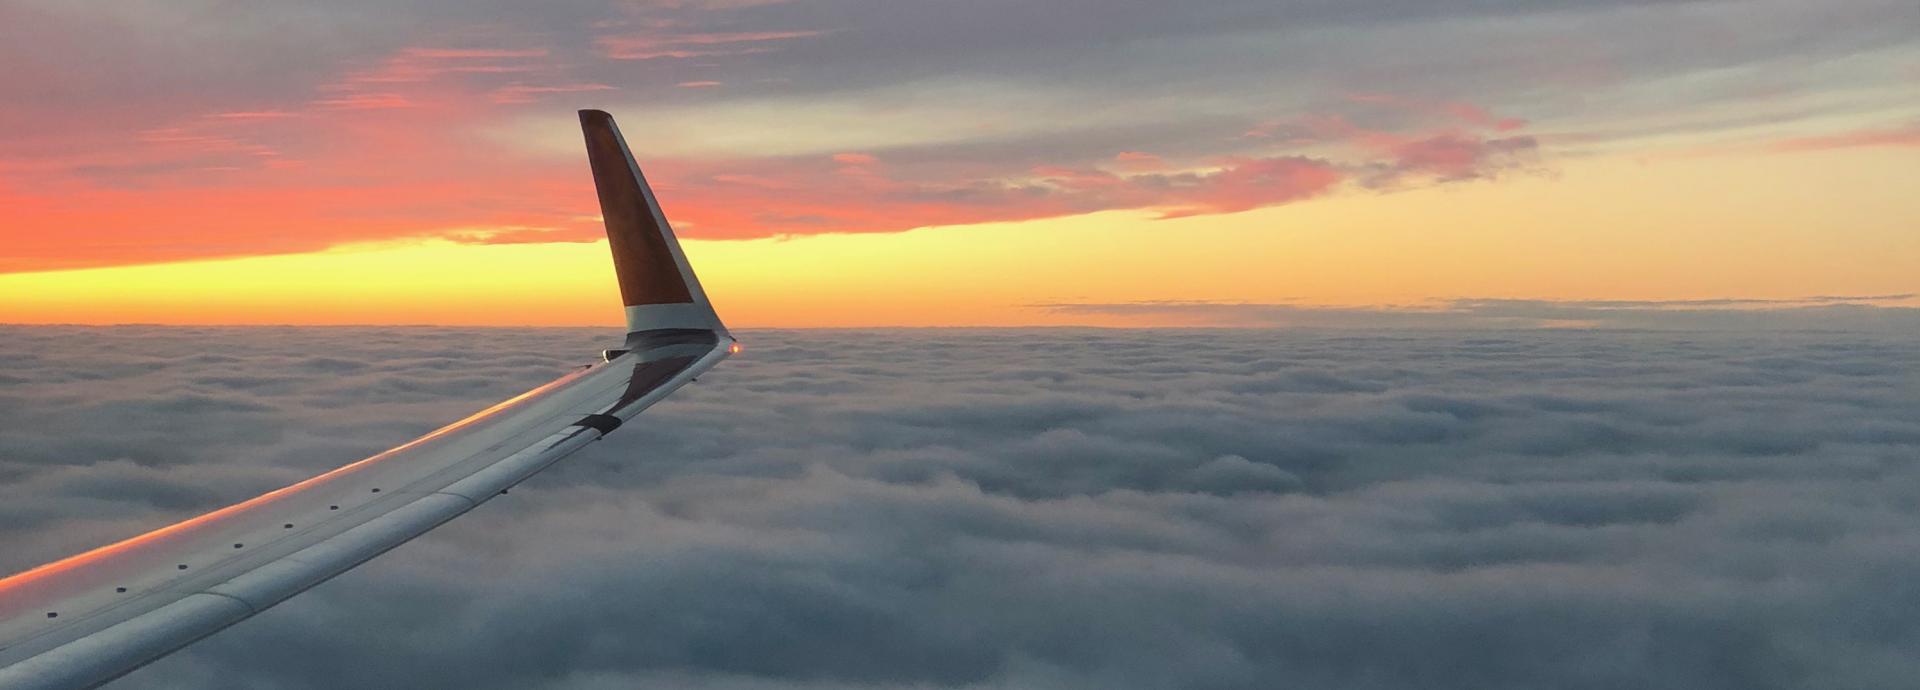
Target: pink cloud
[(1455, 156), (1908, 136), (1457, 111), (528, 93), (723, 38), (1135, 161), (1246, 184), (197, 142), (470, 54), (789, 197), (659, 44), (414, 65), (403, 77), (366, 101), (1436, 148), (255, 115)]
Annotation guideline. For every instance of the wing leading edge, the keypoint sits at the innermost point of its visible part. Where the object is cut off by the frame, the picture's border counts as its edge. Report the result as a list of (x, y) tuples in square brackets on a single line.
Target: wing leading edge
[(85, 620)]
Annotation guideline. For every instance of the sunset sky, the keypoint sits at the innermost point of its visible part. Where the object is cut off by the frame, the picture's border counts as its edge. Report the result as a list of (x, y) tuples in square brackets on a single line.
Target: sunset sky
[(1003, 162)]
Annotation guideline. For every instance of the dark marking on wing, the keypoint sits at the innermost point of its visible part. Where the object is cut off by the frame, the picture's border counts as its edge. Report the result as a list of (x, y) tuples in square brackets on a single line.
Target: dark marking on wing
[(604, 423), (648, 377)]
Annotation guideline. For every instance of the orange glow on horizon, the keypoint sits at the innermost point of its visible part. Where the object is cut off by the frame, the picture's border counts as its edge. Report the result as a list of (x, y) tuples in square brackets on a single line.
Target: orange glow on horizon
[(1622, 228)]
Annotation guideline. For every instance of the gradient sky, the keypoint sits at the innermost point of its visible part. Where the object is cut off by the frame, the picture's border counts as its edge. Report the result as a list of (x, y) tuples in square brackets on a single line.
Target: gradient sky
[(912, 162)]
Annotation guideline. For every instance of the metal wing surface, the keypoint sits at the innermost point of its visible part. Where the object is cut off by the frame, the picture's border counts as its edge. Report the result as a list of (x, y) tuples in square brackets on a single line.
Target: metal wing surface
[(84, 620)]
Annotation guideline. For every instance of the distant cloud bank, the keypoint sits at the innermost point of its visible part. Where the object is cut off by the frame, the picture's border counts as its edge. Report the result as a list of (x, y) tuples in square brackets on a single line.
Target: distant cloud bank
[(1891, 313)]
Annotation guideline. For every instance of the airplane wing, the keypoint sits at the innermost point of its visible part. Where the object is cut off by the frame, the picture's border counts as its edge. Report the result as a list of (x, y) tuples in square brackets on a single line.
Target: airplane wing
[(85, 620)]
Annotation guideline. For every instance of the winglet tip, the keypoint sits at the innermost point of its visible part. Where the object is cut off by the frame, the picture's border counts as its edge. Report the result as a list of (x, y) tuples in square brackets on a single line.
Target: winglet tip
[(593, 116)]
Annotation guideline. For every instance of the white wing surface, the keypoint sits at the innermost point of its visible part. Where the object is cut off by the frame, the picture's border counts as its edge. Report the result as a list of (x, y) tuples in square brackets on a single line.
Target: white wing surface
[(85, 620)]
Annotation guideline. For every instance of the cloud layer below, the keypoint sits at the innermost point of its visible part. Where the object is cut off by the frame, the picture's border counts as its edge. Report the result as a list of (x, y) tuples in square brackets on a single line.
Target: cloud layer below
[(1021, 509)]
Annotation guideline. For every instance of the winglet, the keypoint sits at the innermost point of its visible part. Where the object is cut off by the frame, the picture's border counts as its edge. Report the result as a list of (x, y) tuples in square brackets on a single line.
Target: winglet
[(656, 283)]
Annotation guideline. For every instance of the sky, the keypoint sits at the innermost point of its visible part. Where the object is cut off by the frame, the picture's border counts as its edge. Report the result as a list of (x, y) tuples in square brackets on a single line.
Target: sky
[(1044, 508), (995, 163)]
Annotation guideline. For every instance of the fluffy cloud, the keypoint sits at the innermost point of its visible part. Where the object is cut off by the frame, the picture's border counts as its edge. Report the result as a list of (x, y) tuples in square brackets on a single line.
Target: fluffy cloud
[(1066, 508)]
